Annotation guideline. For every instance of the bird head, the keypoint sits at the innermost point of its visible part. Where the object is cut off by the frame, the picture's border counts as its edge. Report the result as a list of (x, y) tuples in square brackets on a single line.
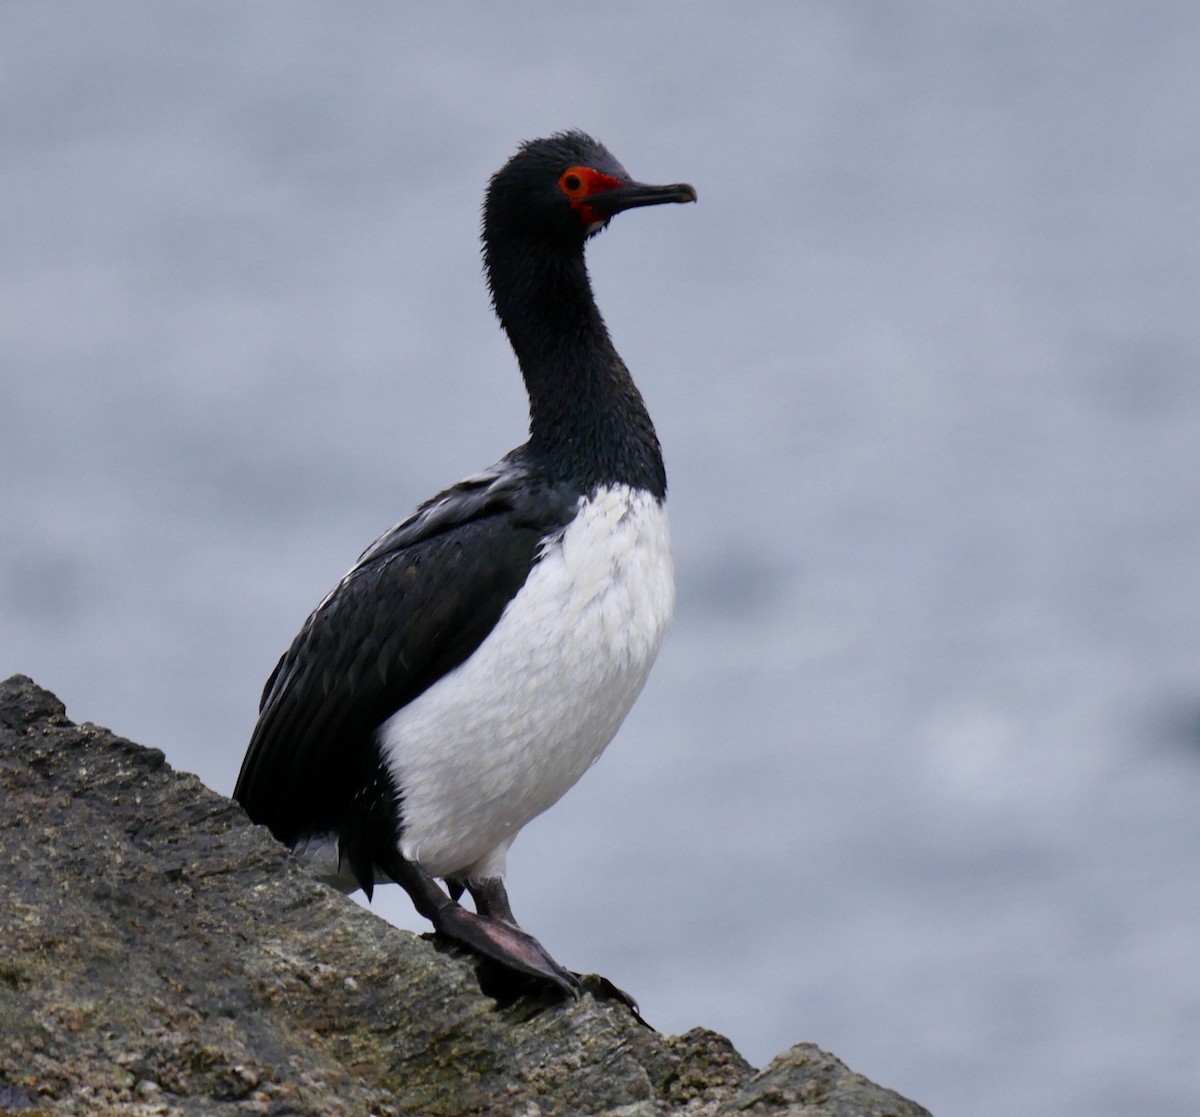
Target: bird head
[(566, 188)]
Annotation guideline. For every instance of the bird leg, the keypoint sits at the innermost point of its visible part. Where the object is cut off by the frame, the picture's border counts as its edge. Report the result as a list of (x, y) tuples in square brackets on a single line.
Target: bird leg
[(491, 932), (491, 901)]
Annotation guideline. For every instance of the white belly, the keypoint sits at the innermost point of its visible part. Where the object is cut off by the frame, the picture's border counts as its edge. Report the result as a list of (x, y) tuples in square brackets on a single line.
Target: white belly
[(502, 737)]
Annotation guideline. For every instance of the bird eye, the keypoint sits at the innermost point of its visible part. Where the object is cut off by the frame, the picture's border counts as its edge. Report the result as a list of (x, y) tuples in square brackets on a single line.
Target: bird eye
[(580, 184), (574, 183)]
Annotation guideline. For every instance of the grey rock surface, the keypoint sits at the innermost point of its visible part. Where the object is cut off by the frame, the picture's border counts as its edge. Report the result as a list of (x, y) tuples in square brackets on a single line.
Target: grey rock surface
[(161, 955)]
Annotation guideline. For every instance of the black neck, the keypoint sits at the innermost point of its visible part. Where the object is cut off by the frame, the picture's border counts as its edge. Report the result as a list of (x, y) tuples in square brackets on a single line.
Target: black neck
[(587, 421)]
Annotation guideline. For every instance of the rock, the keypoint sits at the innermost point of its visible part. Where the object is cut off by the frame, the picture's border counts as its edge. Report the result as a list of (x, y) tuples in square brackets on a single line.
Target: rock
[(161, 955)]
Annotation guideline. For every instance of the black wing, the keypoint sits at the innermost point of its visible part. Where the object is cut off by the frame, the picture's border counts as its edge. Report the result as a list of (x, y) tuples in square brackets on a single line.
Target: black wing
[(419, 601)]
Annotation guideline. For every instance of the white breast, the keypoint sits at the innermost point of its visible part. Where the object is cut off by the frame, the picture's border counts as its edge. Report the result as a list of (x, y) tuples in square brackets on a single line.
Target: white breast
[(502, 737)]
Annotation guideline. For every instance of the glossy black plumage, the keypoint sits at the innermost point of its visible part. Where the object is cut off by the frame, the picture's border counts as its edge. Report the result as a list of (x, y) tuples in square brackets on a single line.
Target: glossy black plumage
[(419, 601)]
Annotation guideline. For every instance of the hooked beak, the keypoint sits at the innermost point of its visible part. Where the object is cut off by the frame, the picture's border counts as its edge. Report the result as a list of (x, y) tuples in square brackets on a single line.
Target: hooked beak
[(630, 195)]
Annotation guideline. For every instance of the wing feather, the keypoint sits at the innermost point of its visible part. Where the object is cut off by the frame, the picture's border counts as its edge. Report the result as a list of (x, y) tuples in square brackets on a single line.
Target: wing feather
[(419, 601)]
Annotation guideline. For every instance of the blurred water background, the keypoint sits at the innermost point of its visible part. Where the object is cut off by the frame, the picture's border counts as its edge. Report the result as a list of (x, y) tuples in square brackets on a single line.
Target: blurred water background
[(917, 775)]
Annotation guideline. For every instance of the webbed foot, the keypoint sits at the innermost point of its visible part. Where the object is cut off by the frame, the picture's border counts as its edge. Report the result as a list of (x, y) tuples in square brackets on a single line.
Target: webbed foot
[(504, 943)]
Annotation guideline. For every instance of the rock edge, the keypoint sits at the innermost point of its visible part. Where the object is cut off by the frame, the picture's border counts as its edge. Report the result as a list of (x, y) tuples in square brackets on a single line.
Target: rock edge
[(161, 955)]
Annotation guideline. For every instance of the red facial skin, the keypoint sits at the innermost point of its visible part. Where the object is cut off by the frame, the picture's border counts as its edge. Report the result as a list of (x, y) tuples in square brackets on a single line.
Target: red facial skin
[(581, 183)]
